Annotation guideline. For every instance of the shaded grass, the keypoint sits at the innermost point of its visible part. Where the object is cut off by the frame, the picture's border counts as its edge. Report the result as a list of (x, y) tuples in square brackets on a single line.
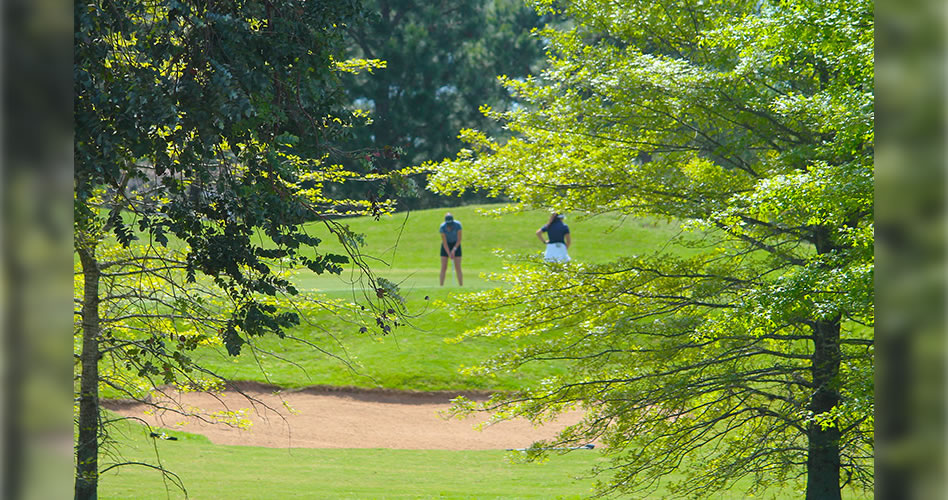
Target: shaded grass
[(412, 358)]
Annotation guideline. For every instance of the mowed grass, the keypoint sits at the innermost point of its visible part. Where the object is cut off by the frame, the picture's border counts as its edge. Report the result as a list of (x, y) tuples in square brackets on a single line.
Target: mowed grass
[(406, 244), (211, 471), (404, 249)]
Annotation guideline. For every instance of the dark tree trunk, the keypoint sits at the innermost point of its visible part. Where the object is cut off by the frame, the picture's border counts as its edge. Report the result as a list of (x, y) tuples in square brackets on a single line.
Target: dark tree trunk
[(87, 446), (823, 455), (822, 482)]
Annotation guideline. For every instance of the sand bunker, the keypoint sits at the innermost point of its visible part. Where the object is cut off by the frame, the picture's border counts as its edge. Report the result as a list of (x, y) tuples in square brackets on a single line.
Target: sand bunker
[(341, 418)]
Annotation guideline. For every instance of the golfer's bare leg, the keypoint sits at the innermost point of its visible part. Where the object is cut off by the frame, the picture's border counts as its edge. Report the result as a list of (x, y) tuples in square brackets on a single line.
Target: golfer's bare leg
[(444, 268), (457, 267)]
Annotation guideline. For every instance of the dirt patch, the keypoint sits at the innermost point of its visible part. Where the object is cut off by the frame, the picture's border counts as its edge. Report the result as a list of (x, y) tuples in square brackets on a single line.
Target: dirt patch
[(338, 418)]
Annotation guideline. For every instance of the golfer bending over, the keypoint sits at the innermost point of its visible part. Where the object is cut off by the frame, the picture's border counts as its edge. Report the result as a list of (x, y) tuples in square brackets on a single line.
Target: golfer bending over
[(451, 246), (559, 242)]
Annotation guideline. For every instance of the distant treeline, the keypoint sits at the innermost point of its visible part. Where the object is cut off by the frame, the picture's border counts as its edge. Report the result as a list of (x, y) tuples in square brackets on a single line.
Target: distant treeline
[(442, 62)]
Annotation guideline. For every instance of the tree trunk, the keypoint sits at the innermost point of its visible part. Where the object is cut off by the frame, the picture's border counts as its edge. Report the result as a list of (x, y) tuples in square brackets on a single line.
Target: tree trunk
[(823, 454), (87, 446)]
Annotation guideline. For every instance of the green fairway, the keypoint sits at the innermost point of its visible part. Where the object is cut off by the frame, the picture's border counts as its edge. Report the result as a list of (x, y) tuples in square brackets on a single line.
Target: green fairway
[(415, 357), (404, 246), (211, 471), (238, 472), (405, 250)]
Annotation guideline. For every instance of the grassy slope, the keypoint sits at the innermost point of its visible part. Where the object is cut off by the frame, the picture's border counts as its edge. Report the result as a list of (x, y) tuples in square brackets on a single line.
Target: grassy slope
[(418, 357)]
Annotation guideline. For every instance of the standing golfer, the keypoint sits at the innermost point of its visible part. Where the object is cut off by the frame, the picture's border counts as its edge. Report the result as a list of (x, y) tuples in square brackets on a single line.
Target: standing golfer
[(559, 242), (451, 246)]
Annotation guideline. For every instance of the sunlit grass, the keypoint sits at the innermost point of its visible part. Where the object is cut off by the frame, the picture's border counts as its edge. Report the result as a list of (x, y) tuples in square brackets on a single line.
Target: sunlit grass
[(416, 357), (404, 249), (216, 471), (210, 471), (404, 246)]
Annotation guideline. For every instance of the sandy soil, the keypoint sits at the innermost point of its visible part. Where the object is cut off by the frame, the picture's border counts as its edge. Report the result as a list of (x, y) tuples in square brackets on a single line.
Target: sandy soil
[(340, 418)]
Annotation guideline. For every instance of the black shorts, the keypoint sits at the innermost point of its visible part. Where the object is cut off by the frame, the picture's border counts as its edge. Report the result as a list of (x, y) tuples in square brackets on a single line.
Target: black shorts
[(457, 253)]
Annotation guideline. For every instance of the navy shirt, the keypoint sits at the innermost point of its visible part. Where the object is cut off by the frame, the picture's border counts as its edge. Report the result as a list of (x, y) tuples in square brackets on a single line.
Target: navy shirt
[(557, 231), (450, 230)]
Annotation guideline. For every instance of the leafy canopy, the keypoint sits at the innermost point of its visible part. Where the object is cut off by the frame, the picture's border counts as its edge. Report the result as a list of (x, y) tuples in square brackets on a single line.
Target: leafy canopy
[(752, 124), (442, 61), (205, 134), (214, 123)]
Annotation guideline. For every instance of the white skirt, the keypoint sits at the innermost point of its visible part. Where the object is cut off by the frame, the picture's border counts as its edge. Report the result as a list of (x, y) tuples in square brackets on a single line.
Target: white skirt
[(556, 252)]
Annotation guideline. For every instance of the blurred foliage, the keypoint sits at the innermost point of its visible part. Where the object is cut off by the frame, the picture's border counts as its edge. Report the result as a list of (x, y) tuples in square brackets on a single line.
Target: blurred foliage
[(911, 160), (36, 425), (754, 124)]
